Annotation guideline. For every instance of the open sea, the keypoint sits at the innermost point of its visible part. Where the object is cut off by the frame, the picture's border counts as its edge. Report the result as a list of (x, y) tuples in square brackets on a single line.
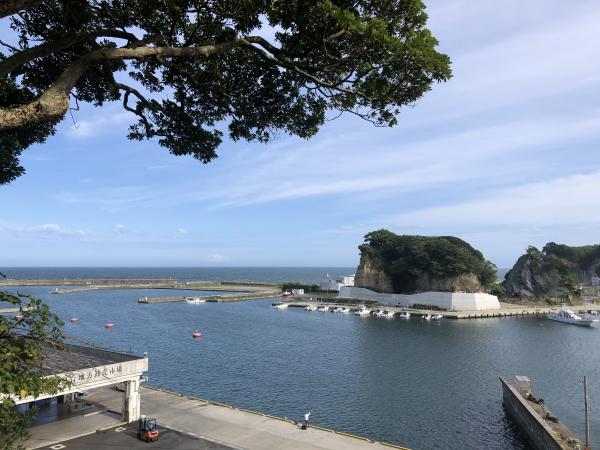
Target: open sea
[(422, 385)]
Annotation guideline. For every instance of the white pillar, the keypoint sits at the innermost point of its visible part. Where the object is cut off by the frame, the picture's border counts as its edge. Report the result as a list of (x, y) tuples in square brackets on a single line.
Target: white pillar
[(131, 401)]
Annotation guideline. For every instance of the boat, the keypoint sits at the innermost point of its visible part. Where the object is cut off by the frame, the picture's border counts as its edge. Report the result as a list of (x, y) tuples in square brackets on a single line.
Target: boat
[(280, 305), (108, 325), (195, 300), (437, 316), (18, 317), (310, 308), (286, 294), (323, 309), (404, 315), (388, 314), (74, 319), (568, 316), (342, 309), (362, 311), (378, 313), (196, 334), (426, 316)]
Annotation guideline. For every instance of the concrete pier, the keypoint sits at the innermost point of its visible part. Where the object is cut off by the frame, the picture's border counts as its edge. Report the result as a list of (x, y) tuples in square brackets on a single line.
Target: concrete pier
[(543, 429)]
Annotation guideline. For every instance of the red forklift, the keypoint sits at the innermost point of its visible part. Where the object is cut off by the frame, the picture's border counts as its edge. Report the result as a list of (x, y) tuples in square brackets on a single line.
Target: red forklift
[(147, 429)]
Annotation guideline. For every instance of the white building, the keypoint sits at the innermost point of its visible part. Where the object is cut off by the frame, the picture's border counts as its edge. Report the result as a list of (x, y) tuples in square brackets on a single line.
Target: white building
[(452, 301), (335, 283), (297, 291)]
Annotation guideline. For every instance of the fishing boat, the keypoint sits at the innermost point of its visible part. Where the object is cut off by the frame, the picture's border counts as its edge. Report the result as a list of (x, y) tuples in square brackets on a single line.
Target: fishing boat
[(280, 305), (568, 316), (404, 315), (389, 314), (195, 300), (378, 312), (196, 334), (74, 319), (426, 316), (437, 316), (108, 325), (342, 309), (310, 308), (362, 311), (323, 309)]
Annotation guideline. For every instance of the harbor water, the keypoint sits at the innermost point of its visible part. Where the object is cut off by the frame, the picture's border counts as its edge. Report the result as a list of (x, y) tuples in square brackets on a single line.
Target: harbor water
[(425, 385)]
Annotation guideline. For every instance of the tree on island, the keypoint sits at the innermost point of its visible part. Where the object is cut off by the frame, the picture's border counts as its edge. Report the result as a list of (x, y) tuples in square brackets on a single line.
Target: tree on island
[(191, 71)]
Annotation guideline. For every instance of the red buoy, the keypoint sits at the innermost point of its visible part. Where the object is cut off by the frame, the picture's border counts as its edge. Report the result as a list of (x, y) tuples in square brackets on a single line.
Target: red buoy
[(196, 334), (108, 325), (19, 317), (74, 319)]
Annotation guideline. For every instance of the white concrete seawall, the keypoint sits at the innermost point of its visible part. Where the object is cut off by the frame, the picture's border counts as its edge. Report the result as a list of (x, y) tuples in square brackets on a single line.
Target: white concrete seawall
[(457, 301)]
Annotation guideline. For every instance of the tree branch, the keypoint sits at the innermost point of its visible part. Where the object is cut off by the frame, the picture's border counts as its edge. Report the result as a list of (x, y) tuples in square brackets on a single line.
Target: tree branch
[(21, 57), (10, 7)]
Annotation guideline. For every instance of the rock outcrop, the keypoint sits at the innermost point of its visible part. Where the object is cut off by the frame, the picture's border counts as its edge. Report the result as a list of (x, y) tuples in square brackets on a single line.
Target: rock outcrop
[(556, 272), (391, 263), (370, 275)]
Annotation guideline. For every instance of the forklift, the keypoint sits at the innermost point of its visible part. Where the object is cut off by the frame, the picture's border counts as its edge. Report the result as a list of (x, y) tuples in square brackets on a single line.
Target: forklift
[(147, 429)]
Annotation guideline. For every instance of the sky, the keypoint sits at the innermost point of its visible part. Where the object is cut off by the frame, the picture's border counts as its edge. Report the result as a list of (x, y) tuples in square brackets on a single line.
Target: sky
[(504, 155)]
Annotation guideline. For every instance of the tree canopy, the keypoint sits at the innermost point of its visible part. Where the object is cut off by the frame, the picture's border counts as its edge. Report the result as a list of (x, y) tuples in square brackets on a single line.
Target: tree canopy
[(406, 258), (191, 71)]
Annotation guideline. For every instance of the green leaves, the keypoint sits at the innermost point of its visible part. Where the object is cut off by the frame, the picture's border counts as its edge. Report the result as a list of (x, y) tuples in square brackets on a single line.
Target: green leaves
[(367, 57), (21, 357)]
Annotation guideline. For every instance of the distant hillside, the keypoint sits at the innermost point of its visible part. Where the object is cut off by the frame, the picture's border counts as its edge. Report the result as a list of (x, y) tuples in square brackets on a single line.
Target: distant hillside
[(555, 272), (408, 264)]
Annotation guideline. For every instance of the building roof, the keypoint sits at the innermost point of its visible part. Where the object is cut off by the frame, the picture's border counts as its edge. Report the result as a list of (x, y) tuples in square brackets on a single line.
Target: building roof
[(76, 357)]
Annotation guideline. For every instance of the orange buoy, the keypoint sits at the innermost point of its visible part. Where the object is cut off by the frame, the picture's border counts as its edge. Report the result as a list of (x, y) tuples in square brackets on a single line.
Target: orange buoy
[(108, 325), (74, 319), (197, 334)]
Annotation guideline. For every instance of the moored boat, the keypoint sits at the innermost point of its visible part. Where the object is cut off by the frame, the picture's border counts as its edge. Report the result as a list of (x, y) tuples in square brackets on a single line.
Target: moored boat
[(323, 309), (310, 308), (568, 316), (342, 309), (426, 316), (378, 312), (362, 311), (389, 314), (280, 305), (404, 315), (437, 316), (195, 300)]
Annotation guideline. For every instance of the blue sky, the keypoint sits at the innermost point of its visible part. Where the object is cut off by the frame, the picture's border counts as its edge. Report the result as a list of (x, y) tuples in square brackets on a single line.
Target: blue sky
[(505, 155)]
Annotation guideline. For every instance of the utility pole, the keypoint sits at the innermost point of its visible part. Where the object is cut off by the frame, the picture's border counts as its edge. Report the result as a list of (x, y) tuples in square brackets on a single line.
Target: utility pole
[(587, 422)]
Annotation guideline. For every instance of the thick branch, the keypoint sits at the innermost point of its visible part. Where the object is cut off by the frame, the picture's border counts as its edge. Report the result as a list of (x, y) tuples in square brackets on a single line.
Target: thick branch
[(18, 59), (10, 7)]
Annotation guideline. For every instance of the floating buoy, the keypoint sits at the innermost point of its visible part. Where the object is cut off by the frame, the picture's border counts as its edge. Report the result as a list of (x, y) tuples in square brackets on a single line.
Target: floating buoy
[(196, 334), (108, 325), (19, 317), (74, 319)]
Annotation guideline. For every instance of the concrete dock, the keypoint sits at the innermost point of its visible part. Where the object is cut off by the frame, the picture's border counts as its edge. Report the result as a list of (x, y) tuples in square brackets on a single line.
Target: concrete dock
[(211, 298), (234, 427), (542, 428)]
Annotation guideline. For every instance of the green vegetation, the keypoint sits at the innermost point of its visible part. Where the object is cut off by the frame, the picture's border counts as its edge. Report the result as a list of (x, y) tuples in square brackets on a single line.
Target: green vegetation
[(21, 374), (582, 257), (406, 258), (191, 72), (498, 290)]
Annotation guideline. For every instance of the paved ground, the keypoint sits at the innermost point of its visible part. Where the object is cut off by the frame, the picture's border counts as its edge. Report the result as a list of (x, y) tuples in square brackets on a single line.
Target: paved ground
[(126, 438)]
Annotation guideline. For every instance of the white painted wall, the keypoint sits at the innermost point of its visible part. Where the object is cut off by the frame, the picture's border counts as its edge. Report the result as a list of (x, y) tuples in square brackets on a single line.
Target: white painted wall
[(457, 301)]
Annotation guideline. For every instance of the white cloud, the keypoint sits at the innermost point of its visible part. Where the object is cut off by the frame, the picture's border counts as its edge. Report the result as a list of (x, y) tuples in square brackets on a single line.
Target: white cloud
[(99, 124), (43, 231), (216, 257), (121, 230), (181, 231)]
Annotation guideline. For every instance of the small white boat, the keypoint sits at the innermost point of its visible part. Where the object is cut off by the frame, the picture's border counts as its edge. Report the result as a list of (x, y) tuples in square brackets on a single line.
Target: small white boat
[(404, 315), (568, 316), (427, 316), (323, 309), (280, 305), (310, 308), (342, 309), (378, 312), (195, 301), (437, 317), (362, 311), (388, 314)]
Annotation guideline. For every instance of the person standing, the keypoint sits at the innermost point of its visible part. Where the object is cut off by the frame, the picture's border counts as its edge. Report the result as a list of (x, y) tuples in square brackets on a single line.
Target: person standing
[(306, 417)]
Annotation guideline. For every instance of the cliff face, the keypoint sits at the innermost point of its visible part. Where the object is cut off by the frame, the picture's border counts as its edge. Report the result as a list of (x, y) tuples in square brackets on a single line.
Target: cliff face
[(556, 272), (370, 275)]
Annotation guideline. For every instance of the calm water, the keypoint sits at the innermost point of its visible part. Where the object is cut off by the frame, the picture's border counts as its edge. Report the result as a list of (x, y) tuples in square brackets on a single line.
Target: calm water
[(423, 385)]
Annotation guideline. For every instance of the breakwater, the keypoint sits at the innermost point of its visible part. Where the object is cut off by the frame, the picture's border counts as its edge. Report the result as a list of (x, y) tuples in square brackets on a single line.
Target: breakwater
[(210, 298), (543, 429)]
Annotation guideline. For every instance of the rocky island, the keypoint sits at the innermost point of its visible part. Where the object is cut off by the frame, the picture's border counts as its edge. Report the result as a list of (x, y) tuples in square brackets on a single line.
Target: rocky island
[(557, 272), (442, 271)]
